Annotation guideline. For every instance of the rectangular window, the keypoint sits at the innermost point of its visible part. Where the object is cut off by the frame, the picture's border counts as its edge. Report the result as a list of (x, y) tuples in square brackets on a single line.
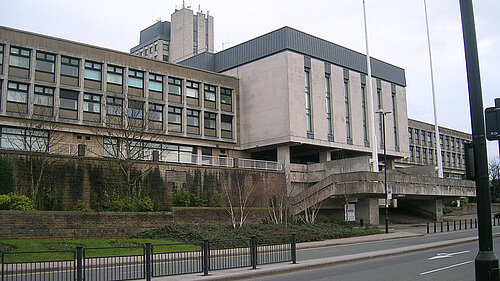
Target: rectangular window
[(19, 57), (44, 96), (429, 137), (226, 123), (135, 79), (193, 118), (111, 148), (174, 86), (364, 112), (309, 126), (115, 75), (410, 133), (165, 47), (226, 97), (45, 62), (328, 104), (68, 99), (441, 140), (422, 133), (17, 92), (395, 118), (21, 139), (416, 134), (347, 110), (174, 115), (114, 106), (69, 66), (135, 109), (1, 54), (210, 93), (155, 112), (91, 103), (452, 142), (417, 152), (431, 153), (411, 151), (192, 89), (155, 82), (92, 71), (165, 58), (210, 120), (424, 153)]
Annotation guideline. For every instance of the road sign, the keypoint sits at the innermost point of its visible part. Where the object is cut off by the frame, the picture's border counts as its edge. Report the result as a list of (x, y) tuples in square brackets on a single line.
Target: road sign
[(389, 193), (492, 116)]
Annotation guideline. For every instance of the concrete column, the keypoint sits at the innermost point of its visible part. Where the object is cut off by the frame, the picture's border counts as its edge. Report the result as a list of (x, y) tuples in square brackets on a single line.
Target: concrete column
[(283, 155), (367, 210), (325, 156)]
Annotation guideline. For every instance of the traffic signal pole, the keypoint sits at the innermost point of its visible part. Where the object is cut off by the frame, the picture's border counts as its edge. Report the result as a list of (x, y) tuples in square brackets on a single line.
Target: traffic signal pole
[(486, 263)]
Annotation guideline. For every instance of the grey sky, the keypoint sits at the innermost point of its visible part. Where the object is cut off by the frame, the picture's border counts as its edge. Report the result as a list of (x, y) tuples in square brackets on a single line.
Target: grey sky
[(396, 35)]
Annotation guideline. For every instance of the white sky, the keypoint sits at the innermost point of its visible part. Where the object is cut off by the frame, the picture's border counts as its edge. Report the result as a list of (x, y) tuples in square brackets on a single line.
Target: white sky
[(396, 35)]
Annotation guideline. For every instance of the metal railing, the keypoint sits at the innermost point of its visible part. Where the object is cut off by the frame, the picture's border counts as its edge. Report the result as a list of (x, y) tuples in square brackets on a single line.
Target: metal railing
[(146, 261), (260, 164)]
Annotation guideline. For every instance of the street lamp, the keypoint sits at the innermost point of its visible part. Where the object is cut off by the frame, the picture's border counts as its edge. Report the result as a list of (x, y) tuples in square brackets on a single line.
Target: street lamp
[(383, 113)]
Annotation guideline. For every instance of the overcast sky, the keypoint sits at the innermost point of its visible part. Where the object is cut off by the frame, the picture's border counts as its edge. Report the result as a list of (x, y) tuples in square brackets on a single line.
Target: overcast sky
[(396, 35)]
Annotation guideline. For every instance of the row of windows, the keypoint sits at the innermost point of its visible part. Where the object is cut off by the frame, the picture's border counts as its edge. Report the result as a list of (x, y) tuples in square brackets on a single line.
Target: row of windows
[(419, 154), (68, 100), (22, 139), (45, 62), (423, 137)]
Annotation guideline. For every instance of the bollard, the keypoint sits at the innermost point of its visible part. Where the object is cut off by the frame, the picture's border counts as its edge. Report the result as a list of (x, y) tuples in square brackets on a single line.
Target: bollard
[(294, 248), (79, 263), (475, 222), (434, 227), (471, 226), (441, 226), (465, 223), (459, 224), (447, 226), (361, 222), (206, 256), (253, 252), (454, 226), (427, 227), (148, 262)]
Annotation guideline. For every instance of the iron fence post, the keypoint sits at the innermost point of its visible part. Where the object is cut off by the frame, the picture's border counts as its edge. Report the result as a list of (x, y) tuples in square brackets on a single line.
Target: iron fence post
[(147, 260), (206, 257), (427, 227), (434, 227), (447, 226), (253, 252), (294, 248), (79, 263), (465, 223), (441, 226), (459, 224)]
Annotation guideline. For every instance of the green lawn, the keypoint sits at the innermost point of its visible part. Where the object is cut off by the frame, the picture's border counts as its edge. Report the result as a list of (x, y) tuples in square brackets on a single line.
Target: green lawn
[(62, 249)]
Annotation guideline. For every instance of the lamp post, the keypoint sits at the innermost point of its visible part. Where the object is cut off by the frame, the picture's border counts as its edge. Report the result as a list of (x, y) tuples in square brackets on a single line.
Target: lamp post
[(384, 113)]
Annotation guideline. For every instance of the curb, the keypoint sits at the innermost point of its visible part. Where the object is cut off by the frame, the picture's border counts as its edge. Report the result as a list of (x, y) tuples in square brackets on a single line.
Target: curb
[(239, 274)]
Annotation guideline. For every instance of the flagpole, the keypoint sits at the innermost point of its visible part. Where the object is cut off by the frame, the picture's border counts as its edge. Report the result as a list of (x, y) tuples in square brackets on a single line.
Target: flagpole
[(436, 127), (371, 112)]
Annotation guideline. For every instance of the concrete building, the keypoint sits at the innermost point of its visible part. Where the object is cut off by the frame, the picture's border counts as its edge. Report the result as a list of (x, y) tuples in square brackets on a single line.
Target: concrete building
[(422, 146), (94, 94), (186, 35)]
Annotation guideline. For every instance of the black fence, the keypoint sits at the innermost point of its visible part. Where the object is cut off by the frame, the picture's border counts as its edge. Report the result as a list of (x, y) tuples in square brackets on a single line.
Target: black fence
[(434, 227), (147, 261)]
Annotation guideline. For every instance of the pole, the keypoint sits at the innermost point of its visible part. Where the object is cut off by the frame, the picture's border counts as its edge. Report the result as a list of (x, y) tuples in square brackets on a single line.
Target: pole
[(371, 113), (385, 177), (486, 263), (436, 127)]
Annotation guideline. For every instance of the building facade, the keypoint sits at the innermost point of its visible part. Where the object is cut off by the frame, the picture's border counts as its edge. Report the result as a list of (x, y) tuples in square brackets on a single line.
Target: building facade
[(187, 34), (422, 147), (94, 96)]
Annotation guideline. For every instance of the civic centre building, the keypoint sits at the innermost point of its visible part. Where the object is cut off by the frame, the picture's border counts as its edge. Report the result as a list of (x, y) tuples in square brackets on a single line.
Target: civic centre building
[(285, 101)]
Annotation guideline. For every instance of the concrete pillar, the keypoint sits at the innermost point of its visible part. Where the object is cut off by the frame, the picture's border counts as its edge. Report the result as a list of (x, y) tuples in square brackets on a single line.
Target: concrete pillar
[(325, 156), (367, 210), (283, 155)]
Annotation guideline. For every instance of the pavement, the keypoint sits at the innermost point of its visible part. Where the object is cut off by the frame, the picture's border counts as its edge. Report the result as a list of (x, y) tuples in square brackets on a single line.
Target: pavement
[(397, 232)]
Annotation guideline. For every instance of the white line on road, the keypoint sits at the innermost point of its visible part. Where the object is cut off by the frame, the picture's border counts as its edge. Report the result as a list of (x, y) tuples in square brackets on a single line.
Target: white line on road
[(447, 267), (447, 255)]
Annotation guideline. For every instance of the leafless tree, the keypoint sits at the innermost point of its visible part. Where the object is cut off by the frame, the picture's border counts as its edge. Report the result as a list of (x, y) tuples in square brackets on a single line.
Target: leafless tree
[(276, 195), (237, 196), (38, 136)]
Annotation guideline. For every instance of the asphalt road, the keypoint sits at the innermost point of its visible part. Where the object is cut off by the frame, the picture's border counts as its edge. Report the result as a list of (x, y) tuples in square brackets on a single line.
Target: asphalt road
[(447, 263)]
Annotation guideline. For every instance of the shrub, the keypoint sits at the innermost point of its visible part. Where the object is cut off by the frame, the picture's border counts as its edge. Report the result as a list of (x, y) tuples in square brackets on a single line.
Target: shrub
[(448, 209), (4, 202), (184, 198), (81, 206), (145, 205), (21, 203), (129, 204)]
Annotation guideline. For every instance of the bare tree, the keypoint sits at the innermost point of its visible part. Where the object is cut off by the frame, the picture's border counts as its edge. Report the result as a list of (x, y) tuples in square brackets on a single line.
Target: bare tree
[(494, 172), (128, 141), (276, 195), (38, 136), (237, 196), (310, 213)]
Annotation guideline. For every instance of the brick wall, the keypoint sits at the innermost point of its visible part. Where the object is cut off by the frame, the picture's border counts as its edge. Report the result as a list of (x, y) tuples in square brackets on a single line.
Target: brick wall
[(80, 225)]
